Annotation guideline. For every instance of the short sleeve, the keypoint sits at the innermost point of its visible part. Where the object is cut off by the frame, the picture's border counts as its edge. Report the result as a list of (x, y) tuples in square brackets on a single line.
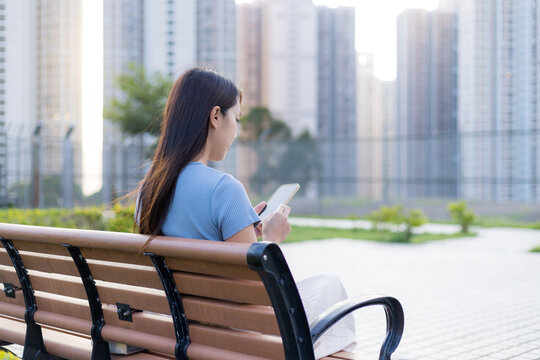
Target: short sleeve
[(231, 209)]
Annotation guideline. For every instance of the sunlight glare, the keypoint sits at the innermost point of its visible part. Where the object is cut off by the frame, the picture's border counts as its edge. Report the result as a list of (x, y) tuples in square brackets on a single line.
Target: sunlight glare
[(92, 94)]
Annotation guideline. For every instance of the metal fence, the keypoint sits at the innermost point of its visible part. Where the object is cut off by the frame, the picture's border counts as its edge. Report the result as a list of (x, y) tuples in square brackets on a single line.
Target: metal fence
[(337, 176)]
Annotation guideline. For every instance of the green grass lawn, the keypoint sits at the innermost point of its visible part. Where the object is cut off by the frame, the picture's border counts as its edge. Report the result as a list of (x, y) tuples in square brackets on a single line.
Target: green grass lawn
[(304, 233), (536, 249), (489, 222)]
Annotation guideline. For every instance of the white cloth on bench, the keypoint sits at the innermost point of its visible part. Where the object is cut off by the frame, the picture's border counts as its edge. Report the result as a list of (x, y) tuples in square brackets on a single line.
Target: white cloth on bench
[(319, 293)]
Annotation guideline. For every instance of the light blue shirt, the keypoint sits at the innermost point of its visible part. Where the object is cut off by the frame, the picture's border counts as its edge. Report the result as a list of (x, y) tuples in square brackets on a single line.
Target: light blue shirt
[(208, 204)]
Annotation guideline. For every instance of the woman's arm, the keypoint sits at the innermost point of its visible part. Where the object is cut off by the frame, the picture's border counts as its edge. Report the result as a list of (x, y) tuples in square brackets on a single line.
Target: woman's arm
[(246, 235), (275, 228)]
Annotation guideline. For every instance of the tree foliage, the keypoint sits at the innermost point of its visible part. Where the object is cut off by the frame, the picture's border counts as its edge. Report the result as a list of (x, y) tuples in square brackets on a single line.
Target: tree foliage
[(260, 122), (141, 105), (282, 158)]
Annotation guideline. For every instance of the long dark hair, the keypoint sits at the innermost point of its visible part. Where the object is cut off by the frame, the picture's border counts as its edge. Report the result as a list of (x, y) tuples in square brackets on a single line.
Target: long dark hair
[(183, 137)]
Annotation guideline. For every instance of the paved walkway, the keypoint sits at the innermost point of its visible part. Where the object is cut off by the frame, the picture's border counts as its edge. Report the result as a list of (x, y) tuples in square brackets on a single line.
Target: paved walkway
[(464, 299), (470, 298)]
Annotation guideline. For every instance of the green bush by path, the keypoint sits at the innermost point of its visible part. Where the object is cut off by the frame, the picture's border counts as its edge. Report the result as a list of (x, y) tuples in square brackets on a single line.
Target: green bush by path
[(388, 217), (91, 218), (461, 214)]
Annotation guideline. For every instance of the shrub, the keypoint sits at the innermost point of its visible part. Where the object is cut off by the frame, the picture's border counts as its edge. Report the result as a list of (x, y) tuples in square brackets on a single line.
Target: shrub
[(462, 215), (388, 216), (414, 219), (122, 219)]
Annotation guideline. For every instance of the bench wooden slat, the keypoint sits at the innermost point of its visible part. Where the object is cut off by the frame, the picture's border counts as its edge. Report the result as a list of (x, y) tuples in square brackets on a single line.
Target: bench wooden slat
[(249, 317), (220, 252), (110, 293), (116, 256), (123, 274), (8, 274), (62, 344), (240, 291), (345, 355), (140, 339), (4, 258), (153, 323), (142, 356), (229, 339), (210, 268), (42, 248), (10, 309), (49, 263), (202, 352)]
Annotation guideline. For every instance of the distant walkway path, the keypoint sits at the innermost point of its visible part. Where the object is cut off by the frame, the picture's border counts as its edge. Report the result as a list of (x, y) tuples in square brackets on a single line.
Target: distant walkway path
[(470, 298), (365, 224)]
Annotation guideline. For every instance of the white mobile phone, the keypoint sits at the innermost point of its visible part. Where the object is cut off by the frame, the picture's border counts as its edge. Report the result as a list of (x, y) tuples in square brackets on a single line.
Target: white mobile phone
[(282, 195)]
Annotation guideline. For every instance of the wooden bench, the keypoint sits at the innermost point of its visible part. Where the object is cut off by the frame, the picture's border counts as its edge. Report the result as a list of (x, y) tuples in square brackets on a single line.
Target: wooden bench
[(72, 293)]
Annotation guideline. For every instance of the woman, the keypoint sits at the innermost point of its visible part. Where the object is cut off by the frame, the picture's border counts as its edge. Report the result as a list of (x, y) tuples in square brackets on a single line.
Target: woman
[(199, 125)]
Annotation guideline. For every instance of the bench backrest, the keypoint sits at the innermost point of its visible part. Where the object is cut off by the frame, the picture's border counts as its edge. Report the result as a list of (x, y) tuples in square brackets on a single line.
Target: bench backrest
[(183, 297)]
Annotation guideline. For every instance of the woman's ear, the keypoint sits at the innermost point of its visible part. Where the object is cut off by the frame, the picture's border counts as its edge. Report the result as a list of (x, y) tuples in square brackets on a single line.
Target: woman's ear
[(214, 117)]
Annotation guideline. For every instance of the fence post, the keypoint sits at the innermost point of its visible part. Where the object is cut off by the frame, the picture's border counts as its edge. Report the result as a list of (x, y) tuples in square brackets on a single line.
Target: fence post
[(67, 170), (36, 167)]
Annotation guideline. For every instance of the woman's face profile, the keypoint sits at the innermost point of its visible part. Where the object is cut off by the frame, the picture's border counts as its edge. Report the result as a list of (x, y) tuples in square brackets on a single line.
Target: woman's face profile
[(226, 132)]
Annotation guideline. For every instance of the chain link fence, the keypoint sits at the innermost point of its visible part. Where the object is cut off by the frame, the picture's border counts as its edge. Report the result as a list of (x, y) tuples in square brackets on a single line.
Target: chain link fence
[(338, 177)]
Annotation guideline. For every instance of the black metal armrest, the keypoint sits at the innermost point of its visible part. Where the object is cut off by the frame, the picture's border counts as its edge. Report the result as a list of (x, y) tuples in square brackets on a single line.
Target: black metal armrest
[(394, 319)]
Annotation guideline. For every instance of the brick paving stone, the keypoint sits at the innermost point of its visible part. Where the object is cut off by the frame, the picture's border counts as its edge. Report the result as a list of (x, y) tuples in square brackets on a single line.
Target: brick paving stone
[(471, 298)]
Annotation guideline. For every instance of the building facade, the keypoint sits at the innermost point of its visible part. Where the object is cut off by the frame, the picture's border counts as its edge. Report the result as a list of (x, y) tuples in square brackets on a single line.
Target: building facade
[(41, 99), (59, 81), (289, 62), (3, 130), (336, 100), (498, 103), (426, 120), (369, 129), (20, 95), (123, 44)]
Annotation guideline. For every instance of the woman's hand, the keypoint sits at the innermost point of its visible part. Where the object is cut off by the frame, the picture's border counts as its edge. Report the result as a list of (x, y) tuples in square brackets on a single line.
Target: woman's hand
[(276, 227), (258, 208)]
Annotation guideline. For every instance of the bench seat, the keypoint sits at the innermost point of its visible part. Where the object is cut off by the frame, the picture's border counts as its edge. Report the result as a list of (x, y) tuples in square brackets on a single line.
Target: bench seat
[(69, 293)]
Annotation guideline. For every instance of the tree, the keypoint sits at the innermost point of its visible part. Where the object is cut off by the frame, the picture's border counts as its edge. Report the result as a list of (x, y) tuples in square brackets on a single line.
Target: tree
[(287, 159), (143, 101), (260, 122), (462, 215), (300, 162)]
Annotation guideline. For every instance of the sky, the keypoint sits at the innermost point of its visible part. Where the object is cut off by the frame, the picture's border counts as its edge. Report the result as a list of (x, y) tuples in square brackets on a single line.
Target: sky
[(375, 33), (92, 94)]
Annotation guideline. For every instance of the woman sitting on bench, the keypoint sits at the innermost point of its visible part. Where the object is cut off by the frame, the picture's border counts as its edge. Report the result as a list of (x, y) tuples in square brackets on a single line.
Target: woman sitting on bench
[(183, 197)]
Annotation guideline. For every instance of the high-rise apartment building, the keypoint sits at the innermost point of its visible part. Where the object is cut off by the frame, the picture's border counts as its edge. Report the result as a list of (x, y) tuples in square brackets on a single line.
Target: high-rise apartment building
[(3, 135), (216, 36), (389, 148), (369, 130), (20, 93), (427, 104), (336, 100), (59, 80), (498, 100), (123, 44), (42, 94), (289, 62), (169, 35), (249, 51)]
